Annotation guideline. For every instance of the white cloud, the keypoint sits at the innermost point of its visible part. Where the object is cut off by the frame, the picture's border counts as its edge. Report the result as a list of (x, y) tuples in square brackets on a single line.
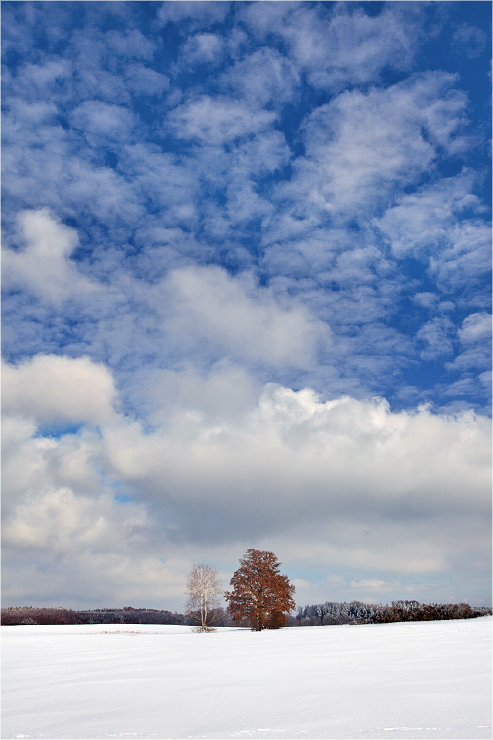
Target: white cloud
[(261, 154), (437, 335), (217, 121), (53, 388), (57, 520), (475, 327), (341, 484), (203, 48), (263, 76), (355, 267), (171, 187), (361, 146), (469, 40), (235, 318), (466, 258), (145, 81), (66, 181), (43, 266), (473, 358), (289, 465), (117, 579), (244, 203), (106, 193), (98, 119), (33, 113), (345, 45), (485, 379), (197, 15), (22, 457), (426, 300), (130, 44), (372, 584), (225, 393), (422, 224)]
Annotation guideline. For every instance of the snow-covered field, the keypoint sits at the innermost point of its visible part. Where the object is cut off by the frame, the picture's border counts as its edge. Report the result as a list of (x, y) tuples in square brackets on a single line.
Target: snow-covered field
[(421, 680)]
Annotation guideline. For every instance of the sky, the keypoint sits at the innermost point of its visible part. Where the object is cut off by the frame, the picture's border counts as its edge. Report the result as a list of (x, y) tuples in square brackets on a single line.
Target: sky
[(246, 298)]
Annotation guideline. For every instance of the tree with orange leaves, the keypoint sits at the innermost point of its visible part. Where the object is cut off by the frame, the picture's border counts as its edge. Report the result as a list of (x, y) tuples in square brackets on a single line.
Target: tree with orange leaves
[(260, 594)]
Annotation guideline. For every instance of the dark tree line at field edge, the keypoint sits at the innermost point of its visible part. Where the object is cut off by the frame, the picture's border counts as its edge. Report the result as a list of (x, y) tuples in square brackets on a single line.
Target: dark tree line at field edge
[(357, 612), (328, 613)]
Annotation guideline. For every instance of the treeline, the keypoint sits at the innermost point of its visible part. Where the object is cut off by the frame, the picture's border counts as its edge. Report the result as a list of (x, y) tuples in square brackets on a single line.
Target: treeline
[(39, 615), (56, 615), (356, 612), (16, 615), (330, 612), (130, 615)]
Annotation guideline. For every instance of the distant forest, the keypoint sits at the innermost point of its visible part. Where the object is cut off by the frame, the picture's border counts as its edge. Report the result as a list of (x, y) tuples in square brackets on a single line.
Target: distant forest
[(330, 612), (356, 612)]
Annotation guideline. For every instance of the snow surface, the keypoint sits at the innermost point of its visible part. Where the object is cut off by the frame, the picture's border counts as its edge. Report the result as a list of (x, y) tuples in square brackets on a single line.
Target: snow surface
[(418, 680)]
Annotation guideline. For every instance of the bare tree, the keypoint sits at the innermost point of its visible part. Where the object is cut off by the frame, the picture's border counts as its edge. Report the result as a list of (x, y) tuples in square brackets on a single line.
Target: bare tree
[(204, 590)]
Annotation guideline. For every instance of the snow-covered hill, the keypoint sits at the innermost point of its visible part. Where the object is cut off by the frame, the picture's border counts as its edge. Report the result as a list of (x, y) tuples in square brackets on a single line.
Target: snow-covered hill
[(412, 680)]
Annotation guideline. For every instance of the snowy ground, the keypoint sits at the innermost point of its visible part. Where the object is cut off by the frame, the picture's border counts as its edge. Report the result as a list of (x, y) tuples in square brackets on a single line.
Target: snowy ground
[(422, 680)]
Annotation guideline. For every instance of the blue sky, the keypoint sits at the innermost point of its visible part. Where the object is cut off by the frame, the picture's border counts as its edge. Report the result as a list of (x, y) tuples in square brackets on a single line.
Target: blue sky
[(246, 297)]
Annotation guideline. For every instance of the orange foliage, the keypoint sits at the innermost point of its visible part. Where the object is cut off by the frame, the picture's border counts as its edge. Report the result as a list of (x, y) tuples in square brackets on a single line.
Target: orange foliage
[(260, 595)]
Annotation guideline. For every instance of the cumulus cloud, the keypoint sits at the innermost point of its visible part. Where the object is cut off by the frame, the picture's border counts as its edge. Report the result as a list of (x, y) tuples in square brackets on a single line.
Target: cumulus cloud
[(203, 47), (239, 319), (145, 81), (475, 327), (430, 226), (342, 45), (95, 118), (62, 522), (131, 44), (279, 472), (43, 265), (262, 77), (361, 143), (421, 223), (426, 300), (54, 388), (436, 335), (196, 16), (467, 257), (65, 530), (217, 121), (469, 40), (475, 337), (373, 585), (227, 391), (291, 456)]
